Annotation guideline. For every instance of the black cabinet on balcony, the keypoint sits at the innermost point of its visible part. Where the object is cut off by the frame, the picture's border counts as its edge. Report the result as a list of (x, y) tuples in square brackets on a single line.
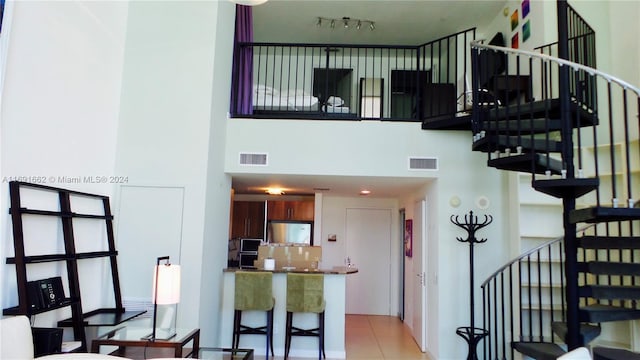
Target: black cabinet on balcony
[(404, 92)]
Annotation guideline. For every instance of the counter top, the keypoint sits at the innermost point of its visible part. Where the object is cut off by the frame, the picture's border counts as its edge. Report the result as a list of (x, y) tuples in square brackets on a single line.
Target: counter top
[(336, 270)]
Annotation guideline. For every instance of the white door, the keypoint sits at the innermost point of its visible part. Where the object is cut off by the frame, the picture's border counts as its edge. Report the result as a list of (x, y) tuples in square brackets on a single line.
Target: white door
[(368, 245), (419, 328)]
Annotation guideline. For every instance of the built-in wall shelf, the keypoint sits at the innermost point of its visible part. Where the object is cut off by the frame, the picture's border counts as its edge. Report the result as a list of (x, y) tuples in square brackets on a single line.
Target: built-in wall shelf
[(64, 206)]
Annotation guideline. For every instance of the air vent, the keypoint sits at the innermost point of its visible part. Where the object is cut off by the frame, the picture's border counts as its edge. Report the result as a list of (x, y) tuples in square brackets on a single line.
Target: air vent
[(253, 159), (416, 163)]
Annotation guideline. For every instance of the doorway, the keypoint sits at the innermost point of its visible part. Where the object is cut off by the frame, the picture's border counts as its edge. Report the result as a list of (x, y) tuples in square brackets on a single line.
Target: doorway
[(368, 247), (419, 283)]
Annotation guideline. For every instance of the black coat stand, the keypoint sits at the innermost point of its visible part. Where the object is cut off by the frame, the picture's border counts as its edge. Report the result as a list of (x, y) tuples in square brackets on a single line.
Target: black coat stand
[(471, 334)]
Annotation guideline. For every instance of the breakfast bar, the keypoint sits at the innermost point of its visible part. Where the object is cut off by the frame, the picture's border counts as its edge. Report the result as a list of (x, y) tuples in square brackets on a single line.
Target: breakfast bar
[(334, 294)]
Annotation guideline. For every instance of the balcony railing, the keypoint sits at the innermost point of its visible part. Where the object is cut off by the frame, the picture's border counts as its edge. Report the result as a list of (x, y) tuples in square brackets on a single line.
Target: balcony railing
[(354, 82)]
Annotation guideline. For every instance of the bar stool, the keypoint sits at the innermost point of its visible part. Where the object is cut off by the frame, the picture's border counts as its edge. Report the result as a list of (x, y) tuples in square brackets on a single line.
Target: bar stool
[(253, 292), (305, 294)]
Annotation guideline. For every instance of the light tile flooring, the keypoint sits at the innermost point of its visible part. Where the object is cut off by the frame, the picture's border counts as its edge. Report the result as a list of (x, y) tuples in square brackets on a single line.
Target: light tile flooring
[(368, 337), (376, 337)]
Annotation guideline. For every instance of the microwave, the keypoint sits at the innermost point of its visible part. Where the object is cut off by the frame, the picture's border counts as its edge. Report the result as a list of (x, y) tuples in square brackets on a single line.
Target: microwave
[(247, 260), (250, 245)]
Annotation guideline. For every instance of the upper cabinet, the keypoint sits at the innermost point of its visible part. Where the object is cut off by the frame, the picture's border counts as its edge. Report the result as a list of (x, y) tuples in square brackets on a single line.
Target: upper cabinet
[(248, 219), (290, 210)]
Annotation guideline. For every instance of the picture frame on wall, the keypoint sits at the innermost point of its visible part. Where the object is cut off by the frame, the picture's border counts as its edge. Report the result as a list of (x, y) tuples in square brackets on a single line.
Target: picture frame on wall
[(408, 238), (525, 8), (514, 19)]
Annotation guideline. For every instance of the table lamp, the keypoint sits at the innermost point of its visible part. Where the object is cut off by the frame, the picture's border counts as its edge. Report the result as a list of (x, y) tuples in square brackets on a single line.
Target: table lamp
[(166, 290)]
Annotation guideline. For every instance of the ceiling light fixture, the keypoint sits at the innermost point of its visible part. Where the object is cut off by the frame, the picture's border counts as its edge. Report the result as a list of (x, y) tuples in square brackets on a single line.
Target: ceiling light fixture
[(274, 191), (365, 192), (347, 22)]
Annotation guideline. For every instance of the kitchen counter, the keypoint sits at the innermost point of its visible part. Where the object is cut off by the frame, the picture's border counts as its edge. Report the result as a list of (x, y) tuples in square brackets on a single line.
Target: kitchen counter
[(336, 270), (335, 299)]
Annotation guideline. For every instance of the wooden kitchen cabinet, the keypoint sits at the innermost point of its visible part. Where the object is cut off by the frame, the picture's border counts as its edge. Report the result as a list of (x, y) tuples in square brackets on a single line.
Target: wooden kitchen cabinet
[(290, 210), (248, 219)]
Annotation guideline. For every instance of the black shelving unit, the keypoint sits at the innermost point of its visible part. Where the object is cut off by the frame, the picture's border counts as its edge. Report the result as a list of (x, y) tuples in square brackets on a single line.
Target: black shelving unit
[(78, 320)]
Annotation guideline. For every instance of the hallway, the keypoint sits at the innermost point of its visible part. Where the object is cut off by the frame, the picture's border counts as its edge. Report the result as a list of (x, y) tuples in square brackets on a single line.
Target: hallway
[(380, 337)]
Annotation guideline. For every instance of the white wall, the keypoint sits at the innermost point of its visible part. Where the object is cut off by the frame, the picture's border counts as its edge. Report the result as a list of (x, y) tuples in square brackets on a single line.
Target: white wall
[(165, 134), (67, 71), (60, 104), (462, 173)]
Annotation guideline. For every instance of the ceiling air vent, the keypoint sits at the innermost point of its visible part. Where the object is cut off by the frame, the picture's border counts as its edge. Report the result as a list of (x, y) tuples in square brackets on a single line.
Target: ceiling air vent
[(253, 159), (423, 163)]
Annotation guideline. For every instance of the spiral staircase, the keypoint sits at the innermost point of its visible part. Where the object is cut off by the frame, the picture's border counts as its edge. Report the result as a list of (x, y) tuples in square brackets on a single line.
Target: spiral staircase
[(576, 131)]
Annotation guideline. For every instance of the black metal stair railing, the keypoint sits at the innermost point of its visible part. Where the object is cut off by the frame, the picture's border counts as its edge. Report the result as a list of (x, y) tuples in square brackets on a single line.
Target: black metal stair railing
[(520, 130), (522, 299), (520, 127), (581, 47)]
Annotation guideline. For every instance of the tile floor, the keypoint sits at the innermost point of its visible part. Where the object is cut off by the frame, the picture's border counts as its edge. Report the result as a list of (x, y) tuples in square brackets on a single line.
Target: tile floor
[(376, 337), (368, 337)]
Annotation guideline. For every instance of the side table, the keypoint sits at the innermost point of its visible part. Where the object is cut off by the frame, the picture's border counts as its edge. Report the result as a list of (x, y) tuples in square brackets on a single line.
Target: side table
[(125, 336), (226, 354)]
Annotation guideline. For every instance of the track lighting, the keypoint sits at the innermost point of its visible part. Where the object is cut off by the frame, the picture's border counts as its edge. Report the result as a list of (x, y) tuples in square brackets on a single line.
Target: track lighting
[(347, 23)]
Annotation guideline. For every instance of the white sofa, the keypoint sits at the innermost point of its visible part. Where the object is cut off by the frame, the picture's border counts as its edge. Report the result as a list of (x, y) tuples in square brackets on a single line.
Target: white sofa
[(16, 343)]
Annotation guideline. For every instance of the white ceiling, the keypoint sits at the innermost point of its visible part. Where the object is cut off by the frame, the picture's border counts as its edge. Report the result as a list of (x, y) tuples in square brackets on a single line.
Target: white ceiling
[(397, 22)]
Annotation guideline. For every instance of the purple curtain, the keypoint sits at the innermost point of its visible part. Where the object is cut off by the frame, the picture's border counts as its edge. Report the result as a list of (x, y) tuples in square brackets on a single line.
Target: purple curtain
[(243, 62)]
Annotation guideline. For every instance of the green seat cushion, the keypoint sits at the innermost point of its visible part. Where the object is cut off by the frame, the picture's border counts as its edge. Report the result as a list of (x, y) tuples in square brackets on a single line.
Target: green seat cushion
[(305, 293), (253, 290)]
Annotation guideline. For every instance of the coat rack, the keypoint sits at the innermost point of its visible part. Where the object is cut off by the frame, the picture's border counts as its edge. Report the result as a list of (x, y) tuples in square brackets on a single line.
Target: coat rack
[(471, 334)]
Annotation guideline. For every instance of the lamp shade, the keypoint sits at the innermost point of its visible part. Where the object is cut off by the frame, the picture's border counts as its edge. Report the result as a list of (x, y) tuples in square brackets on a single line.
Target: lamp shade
[(166, 282)]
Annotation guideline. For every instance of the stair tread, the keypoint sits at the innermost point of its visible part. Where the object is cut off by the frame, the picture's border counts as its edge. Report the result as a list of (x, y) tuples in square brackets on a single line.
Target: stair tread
[(539, 350), (610, 292), (611, 268), (523, 163), (605, 313), (490, 143), (588, 331), (542, 110), (608, 242), (597, 214), (605, 353), (448, 122), (560, 188)]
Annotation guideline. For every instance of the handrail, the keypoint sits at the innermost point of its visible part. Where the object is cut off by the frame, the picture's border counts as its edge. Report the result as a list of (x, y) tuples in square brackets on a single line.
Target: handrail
[(528, 253), (325, 45), (591, 71)]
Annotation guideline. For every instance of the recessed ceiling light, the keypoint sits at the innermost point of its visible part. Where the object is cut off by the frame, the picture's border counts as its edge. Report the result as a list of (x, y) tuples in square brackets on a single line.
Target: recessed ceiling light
[(365, 192)]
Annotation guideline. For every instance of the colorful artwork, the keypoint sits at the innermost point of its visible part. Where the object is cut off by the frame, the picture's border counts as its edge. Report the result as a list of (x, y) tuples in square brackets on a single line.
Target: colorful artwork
[(408, 238), (514, 41), (526, 31), (525, 8), (514, 20)]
